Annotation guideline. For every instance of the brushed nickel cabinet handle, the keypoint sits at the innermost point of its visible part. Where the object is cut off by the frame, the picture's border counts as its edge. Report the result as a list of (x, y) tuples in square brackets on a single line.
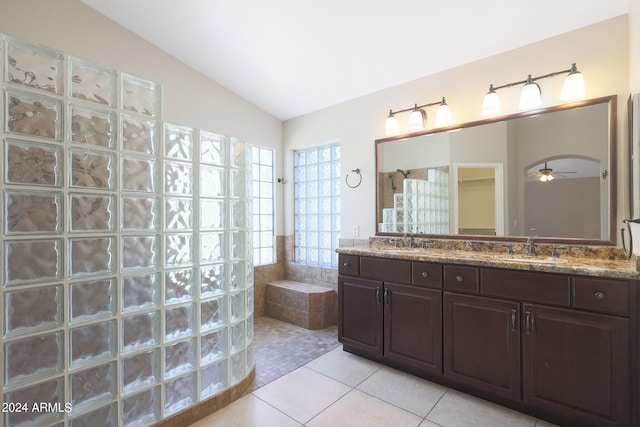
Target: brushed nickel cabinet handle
[(459, 278), (379, 295), (599, 295), (514, 317), (425, 274), (346, 264)]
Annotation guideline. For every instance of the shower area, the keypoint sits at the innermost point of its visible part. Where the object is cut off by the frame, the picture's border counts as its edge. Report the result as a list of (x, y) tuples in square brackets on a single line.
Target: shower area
[(127, 277)]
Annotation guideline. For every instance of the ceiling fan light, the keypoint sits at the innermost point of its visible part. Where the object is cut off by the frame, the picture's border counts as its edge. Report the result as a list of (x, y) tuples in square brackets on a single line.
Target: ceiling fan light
[(530, 97), (443, 114), (417, 119), (573, 87), (391, 125), (491, 104)]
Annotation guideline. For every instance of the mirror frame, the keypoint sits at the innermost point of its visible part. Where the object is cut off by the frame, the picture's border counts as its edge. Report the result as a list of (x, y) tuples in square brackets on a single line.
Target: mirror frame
[(611, 100)]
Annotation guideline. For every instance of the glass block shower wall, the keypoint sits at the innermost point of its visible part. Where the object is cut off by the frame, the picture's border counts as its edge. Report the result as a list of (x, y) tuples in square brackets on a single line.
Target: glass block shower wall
[(127, 287)]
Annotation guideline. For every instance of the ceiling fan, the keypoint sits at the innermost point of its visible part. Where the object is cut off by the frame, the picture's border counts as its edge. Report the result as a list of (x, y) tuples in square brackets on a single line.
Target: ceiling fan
[(546, 174)]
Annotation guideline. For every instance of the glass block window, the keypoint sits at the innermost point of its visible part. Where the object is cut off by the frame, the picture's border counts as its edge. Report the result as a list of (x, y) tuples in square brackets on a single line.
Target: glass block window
[(127, 273), (317, 205), (263, 206)]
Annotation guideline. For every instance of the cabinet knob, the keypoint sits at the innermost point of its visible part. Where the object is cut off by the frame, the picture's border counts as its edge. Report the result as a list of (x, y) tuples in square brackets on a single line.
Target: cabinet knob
[(346, 264), (459, 278), (425, 274), (599, 295)]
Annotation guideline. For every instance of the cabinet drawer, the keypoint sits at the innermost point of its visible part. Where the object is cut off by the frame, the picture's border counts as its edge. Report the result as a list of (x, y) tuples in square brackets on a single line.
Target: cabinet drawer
[(426, 274), (608, 296), (462, 278), (348, 265), (526, 286), (386, 269)]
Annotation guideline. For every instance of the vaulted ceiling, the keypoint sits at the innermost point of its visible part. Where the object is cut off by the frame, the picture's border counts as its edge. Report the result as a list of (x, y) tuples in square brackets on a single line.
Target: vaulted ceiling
[(292, 57)]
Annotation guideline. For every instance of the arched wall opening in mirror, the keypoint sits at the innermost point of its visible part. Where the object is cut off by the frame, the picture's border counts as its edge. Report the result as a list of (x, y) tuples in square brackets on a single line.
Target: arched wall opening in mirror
[(550, 202), (519, 142)]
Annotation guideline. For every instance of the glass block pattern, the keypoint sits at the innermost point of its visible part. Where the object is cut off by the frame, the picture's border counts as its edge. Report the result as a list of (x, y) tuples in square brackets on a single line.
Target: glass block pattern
[(131, 236), (317, 205), (421, 207), (264, 245)]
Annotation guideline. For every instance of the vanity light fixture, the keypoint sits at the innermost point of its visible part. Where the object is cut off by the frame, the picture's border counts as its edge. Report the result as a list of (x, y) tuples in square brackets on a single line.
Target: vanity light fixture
[(418, 117), (530, 96)]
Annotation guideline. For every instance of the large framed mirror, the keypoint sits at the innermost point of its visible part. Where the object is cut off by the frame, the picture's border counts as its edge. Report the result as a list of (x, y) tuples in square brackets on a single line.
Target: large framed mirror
[(550, 172)]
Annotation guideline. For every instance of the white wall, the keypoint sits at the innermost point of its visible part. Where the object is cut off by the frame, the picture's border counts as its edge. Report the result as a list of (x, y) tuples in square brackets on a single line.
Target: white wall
[(634, 45), (634, 79), (190, 98), (601, 52)]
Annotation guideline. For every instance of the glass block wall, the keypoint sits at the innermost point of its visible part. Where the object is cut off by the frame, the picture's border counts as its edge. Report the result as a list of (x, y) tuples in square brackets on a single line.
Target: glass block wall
[(264, 239), (127, 276), (317, 205)]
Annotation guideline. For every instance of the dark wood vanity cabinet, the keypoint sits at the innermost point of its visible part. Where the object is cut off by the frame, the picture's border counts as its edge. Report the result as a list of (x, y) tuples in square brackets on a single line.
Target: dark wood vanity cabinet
[(360, 314), (558, 346), (576, 365), (393, 319), (412, 326), (482, 343)]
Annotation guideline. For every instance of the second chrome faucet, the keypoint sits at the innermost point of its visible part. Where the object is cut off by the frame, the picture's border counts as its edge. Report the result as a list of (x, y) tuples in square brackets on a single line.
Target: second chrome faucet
[(531, 242)]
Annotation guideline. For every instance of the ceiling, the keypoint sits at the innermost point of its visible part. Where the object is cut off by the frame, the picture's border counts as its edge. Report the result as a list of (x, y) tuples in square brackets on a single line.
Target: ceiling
[(292, 57)]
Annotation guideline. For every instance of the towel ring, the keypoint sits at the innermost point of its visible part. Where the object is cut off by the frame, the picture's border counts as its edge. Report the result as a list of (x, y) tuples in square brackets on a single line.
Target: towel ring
[(346, 179)]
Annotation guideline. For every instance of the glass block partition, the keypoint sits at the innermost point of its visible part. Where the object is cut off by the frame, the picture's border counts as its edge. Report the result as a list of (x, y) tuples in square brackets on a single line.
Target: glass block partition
[(127, 276), (421, 207)]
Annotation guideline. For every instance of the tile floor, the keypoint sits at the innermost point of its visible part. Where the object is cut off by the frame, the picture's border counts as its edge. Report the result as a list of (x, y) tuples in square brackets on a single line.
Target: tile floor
[(340, 389)]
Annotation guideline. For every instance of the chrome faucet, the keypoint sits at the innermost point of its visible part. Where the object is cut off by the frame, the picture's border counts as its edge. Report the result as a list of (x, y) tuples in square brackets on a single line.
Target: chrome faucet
[(410, 239), (531, 242)]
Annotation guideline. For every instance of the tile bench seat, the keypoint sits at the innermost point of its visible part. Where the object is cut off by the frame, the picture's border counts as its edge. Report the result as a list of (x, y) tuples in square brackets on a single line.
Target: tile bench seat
[(302, 304)]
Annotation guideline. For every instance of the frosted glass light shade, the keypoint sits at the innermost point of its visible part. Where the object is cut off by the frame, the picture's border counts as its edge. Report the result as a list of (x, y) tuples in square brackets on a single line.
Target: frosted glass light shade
[(416, 120), (530, 96), (443, 115), (491, 104), (391, 126), (573, 87)]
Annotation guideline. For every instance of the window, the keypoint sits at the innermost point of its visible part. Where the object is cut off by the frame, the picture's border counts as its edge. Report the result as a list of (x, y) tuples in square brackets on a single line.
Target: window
[(317, 205), (263, 206)]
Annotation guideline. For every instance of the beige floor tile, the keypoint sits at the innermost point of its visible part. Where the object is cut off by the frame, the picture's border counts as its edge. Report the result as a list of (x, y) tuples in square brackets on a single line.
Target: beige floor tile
[(457, 409), (358, 409), (248, 411), (302, 394), (344, 367), (406, 391)]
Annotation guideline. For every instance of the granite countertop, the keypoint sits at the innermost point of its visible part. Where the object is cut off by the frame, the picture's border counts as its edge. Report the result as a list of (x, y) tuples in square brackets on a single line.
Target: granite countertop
[(610, 268)]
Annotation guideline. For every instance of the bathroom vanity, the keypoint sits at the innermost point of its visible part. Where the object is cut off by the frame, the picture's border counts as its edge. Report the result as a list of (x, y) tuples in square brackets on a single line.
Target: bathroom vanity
[(552, 337)]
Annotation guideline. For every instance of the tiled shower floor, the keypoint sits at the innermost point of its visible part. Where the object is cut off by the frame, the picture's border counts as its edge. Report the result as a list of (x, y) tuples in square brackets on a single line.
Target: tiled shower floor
[(280, 348)]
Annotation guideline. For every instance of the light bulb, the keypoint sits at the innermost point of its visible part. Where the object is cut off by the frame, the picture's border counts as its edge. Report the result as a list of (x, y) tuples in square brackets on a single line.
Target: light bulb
[(530, 97), (416, 119), (391, 125), (491, 104), (573, 87), (443, 114)]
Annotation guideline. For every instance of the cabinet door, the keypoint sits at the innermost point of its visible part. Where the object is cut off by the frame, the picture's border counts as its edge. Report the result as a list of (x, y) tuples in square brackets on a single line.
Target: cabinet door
[(576, 364), (360, 313), (482, 343), (413, 327)]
